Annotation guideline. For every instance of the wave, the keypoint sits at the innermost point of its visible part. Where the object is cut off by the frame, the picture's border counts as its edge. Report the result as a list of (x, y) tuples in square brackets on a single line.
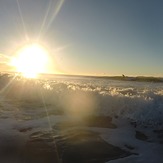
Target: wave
[(143, 105)]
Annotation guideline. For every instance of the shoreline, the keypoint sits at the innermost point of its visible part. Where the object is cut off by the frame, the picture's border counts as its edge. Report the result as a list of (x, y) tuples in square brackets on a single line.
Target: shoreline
[(119, 78)]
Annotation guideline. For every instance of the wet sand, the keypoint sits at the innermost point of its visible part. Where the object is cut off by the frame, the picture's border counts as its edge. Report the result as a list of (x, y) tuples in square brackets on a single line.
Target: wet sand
[(68, 142), (77, 145)]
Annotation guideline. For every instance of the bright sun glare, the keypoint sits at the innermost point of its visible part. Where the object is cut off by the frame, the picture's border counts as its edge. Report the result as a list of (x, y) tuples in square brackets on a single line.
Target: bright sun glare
[(31, 60)]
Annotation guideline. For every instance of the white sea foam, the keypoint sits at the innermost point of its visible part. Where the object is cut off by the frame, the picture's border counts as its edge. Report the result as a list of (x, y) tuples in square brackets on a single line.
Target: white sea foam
[(141, 102)]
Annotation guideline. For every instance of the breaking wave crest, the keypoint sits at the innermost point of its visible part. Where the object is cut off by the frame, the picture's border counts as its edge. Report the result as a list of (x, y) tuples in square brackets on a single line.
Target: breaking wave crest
[(82, 97)]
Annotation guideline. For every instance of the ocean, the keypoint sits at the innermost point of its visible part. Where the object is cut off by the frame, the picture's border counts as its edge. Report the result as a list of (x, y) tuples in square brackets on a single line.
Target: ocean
[(53, 113)]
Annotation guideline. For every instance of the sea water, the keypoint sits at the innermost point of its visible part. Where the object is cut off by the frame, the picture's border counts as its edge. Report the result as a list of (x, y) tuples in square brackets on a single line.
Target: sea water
[(32, 109), (141, 102)]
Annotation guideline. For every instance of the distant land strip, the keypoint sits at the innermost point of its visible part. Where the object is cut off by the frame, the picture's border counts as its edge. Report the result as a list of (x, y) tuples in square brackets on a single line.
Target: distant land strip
[(121, 78)]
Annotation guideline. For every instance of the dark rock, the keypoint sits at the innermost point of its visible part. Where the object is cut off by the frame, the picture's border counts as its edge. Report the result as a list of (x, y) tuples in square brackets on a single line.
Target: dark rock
[(129, 147), (99, 121), (158, 131), (161, 142), (141, 136), (160, 136), (89, 121), (116, 116), (25, 129), (68, 125), (133, 123)]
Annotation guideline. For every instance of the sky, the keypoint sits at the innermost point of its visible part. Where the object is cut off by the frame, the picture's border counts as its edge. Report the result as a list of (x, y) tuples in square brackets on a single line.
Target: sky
[(87, 37)]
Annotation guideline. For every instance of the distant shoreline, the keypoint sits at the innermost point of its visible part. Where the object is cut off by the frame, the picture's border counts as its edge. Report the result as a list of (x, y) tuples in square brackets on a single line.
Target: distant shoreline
[(137, 78), (120, 78)]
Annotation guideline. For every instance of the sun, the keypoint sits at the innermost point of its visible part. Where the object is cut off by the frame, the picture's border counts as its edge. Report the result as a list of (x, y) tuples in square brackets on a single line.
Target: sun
[(31, 60)]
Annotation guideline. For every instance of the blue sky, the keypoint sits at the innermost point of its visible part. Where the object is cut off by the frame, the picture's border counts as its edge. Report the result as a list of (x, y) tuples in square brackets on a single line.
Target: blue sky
[(89, 37)]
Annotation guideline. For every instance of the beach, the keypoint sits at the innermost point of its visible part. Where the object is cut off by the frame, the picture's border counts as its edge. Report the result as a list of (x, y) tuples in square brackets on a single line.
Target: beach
[(75, 119)]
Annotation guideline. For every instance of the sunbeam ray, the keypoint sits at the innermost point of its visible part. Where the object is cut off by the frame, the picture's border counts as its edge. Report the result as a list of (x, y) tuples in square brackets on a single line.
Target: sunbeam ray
[(44, 20), (56, 11), (49, 17), (43, 100), (22, 19), (50, 126), (8, 84)]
